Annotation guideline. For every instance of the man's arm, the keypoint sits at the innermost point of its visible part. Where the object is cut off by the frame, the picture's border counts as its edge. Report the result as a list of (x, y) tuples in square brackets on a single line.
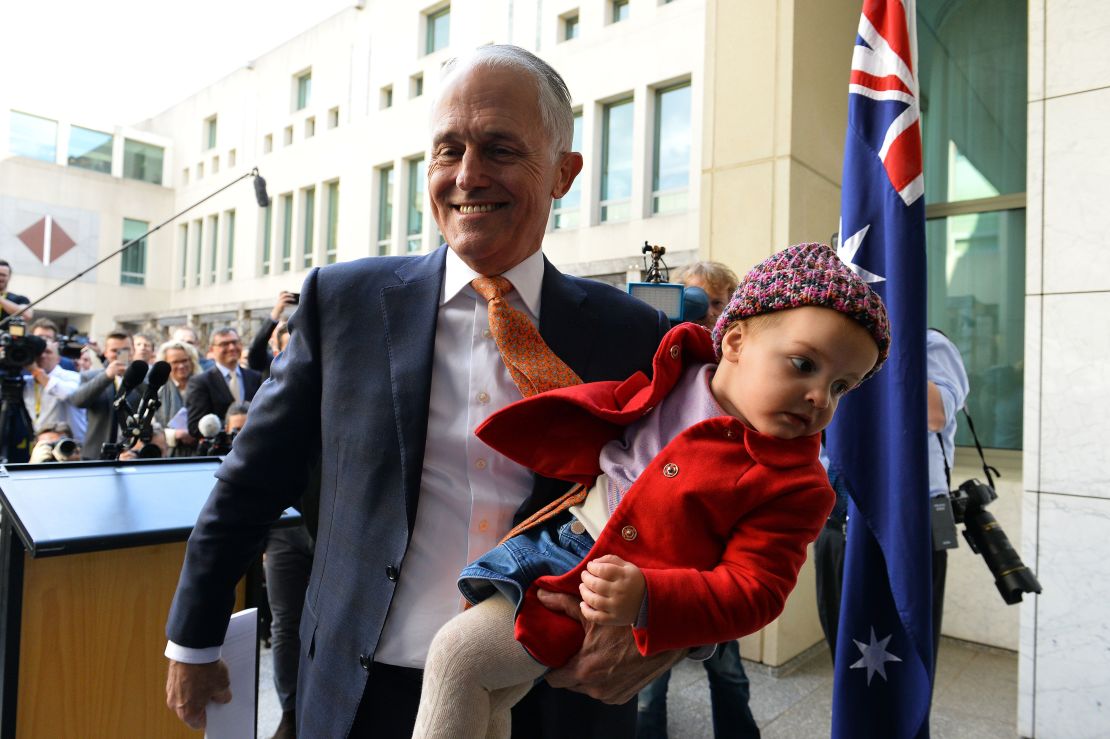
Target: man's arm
[(11, 307), (91, 390)]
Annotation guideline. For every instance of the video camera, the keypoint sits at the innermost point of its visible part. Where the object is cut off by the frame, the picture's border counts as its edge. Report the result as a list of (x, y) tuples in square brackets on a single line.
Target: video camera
[(677, 302), (17, 350)]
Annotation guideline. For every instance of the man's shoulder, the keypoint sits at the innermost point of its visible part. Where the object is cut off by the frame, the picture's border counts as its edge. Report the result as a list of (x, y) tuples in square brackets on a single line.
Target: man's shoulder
[(21, 299), (377, 269)]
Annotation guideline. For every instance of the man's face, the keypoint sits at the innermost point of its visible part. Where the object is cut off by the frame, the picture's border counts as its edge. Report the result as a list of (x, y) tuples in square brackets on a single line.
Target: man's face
[(43, 332), (226, 349), (185, 336), (235, 423), (492, 175), (144, 349), (49, 358), (112, 347), (5, 275)]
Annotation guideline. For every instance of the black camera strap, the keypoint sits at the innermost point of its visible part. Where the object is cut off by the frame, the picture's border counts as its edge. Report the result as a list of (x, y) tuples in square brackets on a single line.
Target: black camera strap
[(987, 469)]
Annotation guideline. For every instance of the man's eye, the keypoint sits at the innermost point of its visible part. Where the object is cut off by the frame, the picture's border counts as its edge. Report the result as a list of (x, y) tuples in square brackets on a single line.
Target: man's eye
[(803, 364)]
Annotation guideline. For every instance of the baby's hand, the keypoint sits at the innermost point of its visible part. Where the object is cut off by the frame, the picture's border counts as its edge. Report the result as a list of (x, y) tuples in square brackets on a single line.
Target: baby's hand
[(612, 591)]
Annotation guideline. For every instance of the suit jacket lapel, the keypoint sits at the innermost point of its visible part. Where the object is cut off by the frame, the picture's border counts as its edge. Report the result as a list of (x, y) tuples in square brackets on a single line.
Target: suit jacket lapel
[(221, 393), (563, 325), (409, 311)]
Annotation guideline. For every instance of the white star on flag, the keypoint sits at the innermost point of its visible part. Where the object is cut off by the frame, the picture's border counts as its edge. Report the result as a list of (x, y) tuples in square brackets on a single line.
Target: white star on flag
[(847, 253), (874, 656)]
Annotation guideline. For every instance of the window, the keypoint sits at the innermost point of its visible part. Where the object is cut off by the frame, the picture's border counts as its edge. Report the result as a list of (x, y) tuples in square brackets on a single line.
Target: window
[(670, 179), (566, 208), (33, 137), (974, 137), (333, 117), (132, 269), (142, 161), (331, 226), (213, 247), (210, 132), (183, 241), (288, 136), (286, 232), (309, 127), (416, 85), (267, 238), (386, 97), (616, 161), (231, 158), (268, 143), (215, 165), (229, 262), (198, 247), (438, 30), (415, 205), (619, 11), (385, 210), (302, 90), (308, 226), (90, 149), (185, 176), (569, 24), (200, 170)]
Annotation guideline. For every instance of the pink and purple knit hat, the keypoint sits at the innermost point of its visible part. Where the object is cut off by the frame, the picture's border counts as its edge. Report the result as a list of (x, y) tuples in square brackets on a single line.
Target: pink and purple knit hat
[(807, 274)]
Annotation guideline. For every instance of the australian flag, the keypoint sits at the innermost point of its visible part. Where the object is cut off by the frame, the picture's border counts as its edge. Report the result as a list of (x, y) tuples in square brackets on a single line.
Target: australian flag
[(878, 444)]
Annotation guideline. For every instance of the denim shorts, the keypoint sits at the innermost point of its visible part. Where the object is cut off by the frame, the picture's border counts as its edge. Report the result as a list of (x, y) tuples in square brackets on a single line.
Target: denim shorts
[(512, 566)]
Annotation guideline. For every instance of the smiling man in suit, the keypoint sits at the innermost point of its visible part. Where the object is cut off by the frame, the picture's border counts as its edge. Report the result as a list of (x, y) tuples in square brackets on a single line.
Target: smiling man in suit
[(213, 390), (391, 365)]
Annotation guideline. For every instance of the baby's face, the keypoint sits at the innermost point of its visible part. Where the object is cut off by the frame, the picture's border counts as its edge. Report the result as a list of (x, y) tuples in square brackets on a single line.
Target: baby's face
[(784, 377)]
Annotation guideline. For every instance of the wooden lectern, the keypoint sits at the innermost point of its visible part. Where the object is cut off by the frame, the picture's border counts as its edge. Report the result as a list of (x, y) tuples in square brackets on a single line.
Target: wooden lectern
[(90, 553)]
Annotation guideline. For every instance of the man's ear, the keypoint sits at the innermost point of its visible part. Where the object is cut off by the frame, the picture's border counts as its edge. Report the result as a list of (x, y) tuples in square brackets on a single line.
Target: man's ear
[(570, 164), (732, 342)]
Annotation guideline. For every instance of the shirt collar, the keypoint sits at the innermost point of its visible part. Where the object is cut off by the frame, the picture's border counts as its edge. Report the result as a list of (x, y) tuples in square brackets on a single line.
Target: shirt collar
[(527, 279)]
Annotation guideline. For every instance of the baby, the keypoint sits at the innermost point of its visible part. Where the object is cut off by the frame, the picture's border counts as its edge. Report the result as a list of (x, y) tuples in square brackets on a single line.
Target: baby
[(698, 491)]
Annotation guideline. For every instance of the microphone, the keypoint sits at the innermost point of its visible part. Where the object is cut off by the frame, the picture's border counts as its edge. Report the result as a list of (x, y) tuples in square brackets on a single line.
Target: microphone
[(132, 377), (260, 193), (159, 373), (695, 304), (209, 425)]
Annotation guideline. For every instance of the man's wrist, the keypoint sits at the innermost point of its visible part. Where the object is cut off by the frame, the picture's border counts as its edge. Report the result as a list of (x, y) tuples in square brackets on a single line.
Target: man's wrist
[(191, 655)]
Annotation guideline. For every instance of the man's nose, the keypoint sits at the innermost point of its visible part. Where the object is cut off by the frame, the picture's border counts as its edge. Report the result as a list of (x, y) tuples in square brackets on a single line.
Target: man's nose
[(472, 172)]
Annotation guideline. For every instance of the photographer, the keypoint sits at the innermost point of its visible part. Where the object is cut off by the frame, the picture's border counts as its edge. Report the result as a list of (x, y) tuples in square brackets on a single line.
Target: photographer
[(44, 328), (10, 303), (946, 392), (97, 393), (55, 443), (47, 392), (263, 350)]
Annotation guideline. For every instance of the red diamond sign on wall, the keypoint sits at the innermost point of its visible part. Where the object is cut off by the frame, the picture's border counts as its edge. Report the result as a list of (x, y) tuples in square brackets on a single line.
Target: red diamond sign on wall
[(46, 240)]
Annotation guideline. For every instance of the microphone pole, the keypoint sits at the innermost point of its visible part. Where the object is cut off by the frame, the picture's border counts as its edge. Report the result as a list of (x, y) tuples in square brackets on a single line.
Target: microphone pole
[(260, 192)]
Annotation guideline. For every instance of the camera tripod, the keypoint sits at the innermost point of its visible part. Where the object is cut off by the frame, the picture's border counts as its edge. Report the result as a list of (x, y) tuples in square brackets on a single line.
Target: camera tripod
[(15, 421)]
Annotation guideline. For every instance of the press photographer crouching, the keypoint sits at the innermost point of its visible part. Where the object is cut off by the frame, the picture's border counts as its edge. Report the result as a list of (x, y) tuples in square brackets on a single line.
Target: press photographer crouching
[(54, 443)]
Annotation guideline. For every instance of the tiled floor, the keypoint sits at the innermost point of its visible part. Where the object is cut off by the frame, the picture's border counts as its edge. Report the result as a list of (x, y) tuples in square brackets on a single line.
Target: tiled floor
[(976, 697)]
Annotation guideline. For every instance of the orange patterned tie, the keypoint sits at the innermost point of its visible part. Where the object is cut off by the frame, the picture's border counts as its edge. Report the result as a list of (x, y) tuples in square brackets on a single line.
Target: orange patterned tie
[(532, 365)]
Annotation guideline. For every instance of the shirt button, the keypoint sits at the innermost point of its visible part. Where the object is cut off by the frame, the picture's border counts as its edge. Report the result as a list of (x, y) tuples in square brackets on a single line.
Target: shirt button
[(670, 469), (364, 661), (483, 397), (391, 573), (483, 525), (480, 464), (629, 533), (675, 351)]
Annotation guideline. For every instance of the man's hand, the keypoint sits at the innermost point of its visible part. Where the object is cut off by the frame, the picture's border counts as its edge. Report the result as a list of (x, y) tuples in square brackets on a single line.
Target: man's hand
[(284, 298), (40, 376), (612, 591), (115, 369), (609, 667), (189, 689)]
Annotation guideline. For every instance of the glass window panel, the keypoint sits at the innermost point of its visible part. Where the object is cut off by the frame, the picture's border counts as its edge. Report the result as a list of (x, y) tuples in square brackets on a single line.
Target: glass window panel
[(267, 238), (415, 204), (620, 10), (439, 30), (976, 283), (133, 260), (616, 161), (142, 161), (229, 220), (973, 77), (304, 90), (198, 248), (183, 231), (33, 137), (90, 149), (213, 248), (671, 176), (566, 207), (385, 210), (570, 27), (308, 231), (331, 233), (210, 133), (286, 232)]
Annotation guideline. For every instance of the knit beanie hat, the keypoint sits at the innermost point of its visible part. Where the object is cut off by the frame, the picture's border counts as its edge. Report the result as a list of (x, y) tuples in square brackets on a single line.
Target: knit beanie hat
[(807, 274)]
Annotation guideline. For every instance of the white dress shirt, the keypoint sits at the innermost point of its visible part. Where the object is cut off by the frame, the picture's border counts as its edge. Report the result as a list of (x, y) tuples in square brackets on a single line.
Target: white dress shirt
[(52, 404), (468, 492)]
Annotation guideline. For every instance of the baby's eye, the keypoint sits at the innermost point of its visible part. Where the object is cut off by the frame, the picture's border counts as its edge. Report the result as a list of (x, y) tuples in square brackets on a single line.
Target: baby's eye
[(802, 364), (839, 388)]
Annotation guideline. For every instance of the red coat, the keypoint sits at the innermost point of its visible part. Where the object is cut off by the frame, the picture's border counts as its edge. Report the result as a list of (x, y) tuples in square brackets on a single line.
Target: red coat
[(718, 522)]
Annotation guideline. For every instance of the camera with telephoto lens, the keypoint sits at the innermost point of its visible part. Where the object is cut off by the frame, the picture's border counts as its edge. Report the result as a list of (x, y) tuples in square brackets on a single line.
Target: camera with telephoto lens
[(59, 450), (71, 346), (985, 537), (17, 350)]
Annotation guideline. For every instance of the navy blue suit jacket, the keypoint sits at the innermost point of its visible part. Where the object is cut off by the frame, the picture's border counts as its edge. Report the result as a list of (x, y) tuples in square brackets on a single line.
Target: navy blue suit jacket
[(353, 388)]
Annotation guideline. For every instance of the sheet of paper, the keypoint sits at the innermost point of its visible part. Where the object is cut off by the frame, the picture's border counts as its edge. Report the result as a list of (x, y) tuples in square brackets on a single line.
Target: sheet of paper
[(180, 419), (239, 718)]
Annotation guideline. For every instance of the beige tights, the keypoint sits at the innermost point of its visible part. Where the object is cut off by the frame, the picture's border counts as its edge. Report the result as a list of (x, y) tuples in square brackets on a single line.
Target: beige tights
[(476, 672)]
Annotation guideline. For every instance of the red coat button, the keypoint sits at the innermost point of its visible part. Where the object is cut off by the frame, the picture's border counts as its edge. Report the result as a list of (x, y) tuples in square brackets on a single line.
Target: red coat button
[(629, 533), (670, 469)]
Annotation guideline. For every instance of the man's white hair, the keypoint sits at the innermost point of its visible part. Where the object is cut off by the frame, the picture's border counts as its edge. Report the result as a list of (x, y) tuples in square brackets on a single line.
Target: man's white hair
[(554, 96)]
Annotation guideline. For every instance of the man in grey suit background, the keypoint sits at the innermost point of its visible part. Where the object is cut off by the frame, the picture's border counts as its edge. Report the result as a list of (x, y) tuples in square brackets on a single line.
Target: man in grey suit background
[(97, 392), (390, 367)]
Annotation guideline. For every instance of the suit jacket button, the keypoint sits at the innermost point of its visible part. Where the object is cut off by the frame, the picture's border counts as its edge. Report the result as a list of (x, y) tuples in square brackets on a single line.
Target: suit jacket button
[(670, 469), (391, 573), (364, 661), (629, 533)]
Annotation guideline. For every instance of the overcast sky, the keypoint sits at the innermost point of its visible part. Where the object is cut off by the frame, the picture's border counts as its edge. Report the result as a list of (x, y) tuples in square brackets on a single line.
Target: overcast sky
[(117, 62)]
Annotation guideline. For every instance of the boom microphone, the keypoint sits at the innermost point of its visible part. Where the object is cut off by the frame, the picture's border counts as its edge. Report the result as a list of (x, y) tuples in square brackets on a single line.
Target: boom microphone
[(209, 425), (260, 193)]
